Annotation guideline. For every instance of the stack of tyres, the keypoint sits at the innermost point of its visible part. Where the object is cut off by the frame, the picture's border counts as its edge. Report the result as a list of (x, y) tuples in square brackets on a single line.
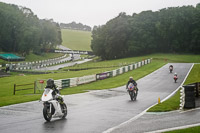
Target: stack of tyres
[(189, 97)]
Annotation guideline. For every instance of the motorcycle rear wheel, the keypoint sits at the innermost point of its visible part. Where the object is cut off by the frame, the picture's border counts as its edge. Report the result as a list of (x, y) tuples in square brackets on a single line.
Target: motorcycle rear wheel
[(47, 115)]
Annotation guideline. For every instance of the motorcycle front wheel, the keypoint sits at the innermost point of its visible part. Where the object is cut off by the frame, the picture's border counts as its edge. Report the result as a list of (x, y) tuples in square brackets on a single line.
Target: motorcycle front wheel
[(64, 110), (46, 113), (135, 96), (131, 95)]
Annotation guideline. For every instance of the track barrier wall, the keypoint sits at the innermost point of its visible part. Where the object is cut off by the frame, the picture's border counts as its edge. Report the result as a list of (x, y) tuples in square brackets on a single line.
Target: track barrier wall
[(38, 85), (64, 83)]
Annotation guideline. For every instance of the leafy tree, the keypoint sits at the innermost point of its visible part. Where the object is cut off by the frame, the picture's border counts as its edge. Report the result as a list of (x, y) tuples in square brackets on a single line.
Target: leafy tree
[(21, 31), (170, 30)]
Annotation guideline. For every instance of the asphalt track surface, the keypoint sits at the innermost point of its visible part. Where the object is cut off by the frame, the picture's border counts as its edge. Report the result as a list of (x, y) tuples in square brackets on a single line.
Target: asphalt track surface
[(95, 111)]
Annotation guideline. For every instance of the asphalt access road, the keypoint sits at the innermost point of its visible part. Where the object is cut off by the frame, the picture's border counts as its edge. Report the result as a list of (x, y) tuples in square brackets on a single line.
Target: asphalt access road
[(56, 67), (95, 111)]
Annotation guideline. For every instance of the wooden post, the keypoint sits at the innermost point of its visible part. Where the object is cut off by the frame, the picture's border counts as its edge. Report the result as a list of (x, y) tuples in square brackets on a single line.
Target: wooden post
[(14, 89), (34, 87)]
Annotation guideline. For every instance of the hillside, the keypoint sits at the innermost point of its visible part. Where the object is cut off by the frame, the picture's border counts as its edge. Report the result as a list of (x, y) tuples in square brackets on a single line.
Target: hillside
[(76, 40)]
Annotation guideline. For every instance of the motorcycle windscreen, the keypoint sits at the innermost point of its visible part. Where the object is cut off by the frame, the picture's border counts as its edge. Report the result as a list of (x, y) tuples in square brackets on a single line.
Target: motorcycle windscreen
[(47, 95), (131, 86)]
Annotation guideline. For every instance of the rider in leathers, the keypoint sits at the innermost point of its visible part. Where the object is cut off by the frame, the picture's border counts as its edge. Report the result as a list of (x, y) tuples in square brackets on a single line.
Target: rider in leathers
[(51, 85), (133, 82)]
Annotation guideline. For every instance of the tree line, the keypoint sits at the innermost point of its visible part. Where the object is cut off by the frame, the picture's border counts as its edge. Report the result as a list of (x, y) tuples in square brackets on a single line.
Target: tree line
[(75, 26), (169, 30), (21, 31)]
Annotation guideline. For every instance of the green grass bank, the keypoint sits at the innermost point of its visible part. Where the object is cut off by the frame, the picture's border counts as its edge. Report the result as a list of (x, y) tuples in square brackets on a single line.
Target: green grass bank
[(187, 130), (76, 39)]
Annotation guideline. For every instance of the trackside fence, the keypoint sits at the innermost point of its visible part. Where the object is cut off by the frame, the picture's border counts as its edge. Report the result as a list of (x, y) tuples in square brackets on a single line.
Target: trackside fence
[(30, 86), (39, 85)]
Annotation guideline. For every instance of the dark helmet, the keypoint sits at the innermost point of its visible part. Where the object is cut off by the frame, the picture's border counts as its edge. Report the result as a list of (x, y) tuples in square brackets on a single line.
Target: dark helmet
[(50, 83)]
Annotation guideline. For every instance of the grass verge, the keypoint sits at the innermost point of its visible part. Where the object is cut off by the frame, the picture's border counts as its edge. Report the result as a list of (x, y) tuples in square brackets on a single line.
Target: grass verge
[(168, 105), (187, 130), (34, 57)]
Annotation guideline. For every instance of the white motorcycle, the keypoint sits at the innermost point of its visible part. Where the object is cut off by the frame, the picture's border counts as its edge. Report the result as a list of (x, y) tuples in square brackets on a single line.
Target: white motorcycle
[(52, 106)]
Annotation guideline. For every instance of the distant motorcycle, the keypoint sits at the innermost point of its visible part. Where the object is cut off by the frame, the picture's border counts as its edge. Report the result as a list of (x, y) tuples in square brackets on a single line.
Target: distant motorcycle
[(175, 78), (52, 107), (170, 69), (132, 91)]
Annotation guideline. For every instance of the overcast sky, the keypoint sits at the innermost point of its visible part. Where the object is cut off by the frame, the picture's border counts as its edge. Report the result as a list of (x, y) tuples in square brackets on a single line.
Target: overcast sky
[(93, 12)]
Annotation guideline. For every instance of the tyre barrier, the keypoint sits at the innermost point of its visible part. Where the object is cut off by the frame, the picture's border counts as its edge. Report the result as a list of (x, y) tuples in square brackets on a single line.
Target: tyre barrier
[(188, 95)]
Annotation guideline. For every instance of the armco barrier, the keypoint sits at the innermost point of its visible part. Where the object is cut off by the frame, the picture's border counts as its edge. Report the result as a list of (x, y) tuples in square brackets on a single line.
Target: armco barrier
[(110, 74), (73, 82), (139, 64), (65, 83), (126, 69), (121, 70), (58, 83), (135, 66), (142, 63), (149, 61), (118, 71), (114, 73), (102, 76), (86, 79), (145, 62)]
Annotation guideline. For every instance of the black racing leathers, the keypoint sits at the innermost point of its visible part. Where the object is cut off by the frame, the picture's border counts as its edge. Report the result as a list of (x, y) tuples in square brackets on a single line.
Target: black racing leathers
[(133, 82)]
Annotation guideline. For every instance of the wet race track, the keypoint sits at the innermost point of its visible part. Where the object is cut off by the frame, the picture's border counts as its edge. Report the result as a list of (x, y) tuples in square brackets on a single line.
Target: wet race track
[(95, 111)]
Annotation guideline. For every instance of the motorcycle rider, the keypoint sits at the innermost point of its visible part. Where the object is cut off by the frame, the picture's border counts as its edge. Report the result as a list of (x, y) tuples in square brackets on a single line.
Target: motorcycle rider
[(175, 76), (133, 82), (171, 67), (51, 85)]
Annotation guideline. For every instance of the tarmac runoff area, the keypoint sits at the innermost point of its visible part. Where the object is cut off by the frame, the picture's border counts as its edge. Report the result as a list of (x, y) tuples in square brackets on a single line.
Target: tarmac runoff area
[(161, 122)]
